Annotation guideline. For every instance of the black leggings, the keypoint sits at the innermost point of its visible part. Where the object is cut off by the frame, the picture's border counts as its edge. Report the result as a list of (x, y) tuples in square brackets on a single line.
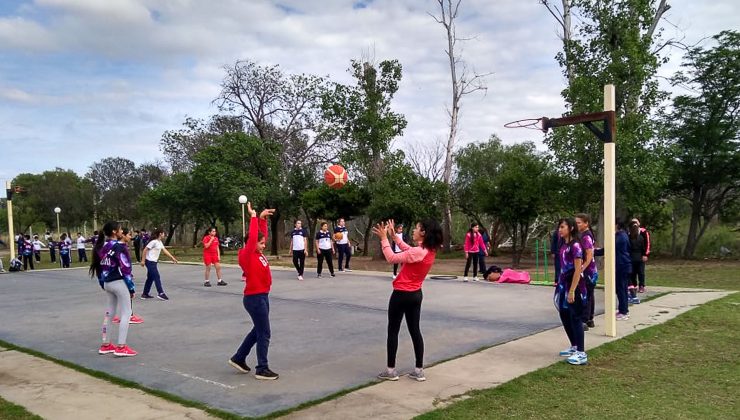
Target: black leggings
[(405, 304), (472, 258), (573, 322), (299, 261), (27, 260)]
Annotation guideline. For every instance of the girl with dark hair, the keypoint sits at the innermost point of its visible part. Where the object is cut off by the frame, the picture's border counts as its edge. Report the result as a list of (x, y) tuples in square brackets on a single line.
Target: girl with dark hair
[(407, 296), (590, 273), (571, 292), (258, 280), (111, 265), (27, 252), (151, 259), (324, 249), (125, 239), (212, 256), (472, 246), (638, 250), (64, 247)]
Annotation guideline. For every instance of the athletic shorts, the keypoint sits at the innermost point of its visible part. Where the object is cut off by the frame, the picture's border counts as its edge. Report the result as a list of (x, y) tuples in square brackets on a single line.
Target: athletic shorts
[(209, 259)]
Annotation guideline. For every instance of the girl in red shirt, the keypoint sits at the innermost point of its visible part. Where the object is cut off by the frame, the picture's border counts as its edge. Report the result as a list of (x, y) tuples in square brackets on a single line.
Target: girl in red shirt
[(258, 279), (407, 296), (212, 256)]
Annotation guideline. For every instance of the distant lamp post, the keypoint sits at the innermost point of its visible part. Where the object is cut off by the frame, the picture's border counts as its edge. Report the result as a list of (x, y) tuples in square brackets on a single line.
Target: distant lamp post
[(57, 210), (243, 201)]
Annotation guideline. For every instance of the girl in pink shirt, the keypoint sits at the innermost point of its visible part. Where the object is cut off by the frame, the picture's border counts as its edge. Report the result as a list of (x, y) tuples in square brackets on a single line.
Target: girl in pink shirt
[(472, 246), (407, 296)]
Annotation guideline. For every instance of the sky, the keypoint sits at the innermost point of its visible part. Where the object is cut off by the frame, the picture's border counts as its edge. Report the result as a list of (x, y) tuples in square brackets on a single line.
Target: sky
[(81, 80)]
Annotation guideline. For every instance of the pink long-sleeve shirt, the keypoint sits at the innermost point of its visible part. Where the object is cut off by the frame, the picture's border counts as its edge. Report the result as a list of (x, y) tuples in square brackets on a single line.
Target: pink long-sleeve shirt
[(477, 244), (417, 262)]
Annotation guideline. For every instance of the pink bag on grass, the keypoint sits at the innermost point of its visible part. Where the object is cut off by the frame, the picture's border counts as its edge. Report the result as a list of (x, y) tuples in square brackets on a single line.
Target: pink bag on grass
[(512, 276)]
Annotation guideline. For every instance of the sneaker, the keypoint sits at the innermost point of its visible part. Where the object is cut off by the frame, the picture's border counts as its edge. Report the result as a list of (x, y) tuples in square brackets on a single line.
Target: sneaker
[(266, 375), (418, 376), (586, 327), (221, 283), (623, 317), (207, 284), (124, 351), (318, 276), (145, 296), (590, 323), (333, 275), (393, 277), (240, 366), (135, 319), (340, 270), (300, 278), (106, 348), (578, 358), (570, 351), (388, 376), (465, 279), (634, 301), (641, 289), (348, 270), (162, 296), (116, 320)]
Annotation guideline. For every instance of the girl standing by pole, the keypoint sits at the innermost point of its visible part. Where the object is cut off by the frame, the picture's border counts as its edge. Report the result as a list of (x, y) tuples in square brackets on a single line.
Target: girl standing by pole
[(111, 265), (590, 273), (258, 279), (571, 292), (151, 259), (406, 298)]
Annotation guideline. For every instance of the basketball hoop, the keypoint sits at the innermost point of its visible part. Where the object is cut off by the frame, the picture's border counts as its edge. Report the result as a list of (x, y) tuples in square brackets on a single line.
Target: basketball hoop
[(530, 123)]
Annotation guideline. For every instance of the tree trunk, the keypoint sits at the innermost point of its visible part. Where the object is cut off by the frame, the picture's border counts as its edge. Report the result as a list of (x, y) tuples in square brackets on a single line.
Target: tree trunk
[(170, 232), (691, 237), (196, 228), (275, 223), (366, 239), (674, 228)]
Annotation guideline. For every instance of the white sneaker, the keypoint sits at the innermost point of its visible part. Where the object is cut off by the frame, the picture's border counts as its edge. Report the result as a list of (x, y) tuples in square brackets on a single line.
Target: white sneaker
[(465, 279), (348, 270), (578, 358), (300, 277)]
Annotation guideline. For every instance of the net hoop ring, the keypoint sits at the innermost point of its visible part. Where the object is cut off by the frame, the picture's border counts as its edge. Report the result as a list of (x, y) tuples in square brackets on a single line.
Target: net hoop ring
[(530, 123), (443, 277)]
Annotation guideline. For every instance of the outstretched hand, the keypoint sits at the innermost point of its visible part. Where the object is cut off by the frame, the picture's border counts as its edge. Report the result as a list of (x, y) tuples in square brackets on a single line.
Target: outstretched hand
[(390, 227), (380, 230), (266, 213), (252, 213)]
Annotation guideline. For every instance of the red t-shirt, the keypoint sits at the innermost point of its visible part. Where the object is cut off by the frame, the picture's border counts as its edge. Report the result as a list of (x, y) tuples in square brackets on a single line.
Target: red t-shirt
[(213, 249), (417, 262), (254, 264)]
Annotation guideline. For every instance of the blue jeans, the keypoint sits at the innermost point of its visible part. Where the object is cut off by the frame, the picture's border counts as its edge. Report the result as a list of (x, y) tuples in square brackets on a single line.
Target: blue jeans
[(258, 308), (152, 276), (343, 251), (622, 281)]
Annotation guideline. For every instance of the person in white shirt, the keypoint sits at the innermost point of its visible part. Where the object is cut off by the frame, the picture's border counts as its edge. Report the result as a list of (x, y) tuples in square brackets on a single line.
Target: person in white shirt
[(37, 245), (81, 253), (396, 249), (324, 249), (151, 258), (299, 245), (341, 237)]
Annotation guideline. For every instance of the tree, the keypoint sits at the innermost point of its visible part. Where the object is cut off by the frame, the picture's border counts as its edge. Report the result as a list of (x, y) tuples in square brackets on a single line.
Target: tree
[(360, 117), (703, 134), (170, 202), (463, 83), (521, 191), (181, 146), (618, 43), (43, 192)]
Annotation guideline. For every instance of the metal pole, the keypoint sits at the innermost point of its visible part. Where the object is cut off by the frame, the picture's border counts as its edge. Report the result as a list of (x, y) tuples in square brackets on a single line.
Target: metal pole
[(59, 232), (537, 259), (244, 226), (610, 326), (11, 233), (544, 256)]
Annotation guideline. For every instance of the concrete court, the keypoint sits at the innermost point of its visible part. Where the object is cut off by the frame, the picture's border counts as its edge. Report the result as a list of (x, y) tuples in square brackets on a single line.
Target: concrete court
[(327, 334)]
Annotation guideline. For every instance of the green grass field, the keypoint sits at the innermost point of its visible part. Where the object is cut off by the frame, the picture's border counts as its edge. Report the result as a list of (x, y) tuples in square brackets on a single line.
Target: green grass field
[(10, 411), (687, 368)]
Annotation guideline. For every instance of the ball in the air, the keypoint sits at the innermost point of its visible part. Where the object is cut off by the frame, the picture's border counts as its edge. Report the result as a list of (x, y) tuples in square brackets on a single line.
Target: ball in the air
[(335, 176)]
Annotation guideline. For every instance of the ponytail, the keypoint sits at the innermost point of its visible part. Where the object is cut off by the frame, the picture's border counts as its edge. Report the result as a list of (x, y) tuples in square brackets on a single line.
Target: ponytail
[(107, 231)]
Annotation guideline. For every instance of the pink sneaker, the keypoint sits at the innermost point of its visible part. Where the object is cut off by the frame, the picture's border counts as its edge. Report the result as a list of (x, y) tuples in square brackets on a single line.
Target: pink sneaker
[(124, 351), (116, 320), (106, 348), (641, 289), (135, 319)]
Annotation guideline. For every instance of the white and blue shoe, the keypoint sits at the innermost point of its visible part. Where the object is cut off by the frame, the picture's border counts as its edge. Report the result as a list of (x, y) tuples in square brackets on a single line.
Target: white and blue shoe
[(570, 351), (578, 358)]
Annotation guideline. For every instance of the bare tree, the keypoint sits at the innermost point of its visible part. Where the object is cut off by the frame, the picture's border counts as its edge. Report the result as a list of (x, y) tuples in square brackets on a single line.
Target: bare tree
[(427, 159), (463, 83)]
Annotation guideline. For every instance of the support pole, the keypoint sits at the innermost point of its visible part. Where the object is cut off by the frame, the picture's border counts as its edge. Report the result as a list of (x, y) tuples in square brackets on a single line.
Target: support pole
[(610, 324), (11, 233)]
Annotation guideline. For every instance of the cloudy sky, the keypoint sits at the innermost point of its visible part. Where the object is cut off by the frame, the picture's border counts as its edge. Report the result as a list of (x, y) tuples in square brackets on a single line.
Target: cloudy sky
[(81, 80)]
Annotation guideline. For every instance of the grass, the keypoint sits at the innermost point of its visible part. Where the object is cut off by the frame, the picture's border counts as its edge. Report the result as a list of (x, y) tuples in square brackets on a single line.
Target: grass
[(10, 411), (714, 274), (686, 368)]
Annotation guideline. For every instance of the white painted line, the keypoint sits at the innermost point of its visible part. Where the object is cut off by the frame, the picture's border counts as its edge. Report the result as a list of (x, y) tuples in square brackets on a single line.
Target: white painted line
[(198, 378)]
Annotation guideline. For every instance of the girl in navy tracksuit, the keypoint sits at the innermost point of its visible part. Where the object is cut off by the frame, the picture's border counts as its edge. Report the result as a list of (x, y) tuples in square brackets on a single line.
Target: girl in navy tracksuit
[(64, 247), (27, 252)]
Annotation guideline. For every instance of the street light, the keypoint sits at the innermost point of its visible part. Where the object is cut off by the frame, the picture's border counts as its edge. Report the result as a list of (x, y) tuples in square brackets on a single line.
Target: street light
[(243, 201), (57, 210)]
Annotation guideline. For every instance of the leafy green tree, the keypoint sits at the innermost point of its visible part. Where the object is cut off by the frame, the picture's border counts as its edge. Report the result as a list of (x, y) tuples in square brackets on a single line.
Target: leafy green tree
[(703, 134), (181, 146), (616, 42), (43, 192), (169, 202)]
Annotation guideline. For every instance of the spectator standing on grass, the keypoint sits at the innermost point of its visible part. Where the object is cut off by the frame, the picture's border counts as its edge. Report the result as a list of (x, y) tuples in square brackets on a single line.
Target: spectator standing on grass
[(151, 260), (646, 240), (37, 245), (555, 242), (637, 253), (81, 252), (52, 249), (589, 270), (65, 248), (571, 292), (298, 247), (27, 252), (623, 270)]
